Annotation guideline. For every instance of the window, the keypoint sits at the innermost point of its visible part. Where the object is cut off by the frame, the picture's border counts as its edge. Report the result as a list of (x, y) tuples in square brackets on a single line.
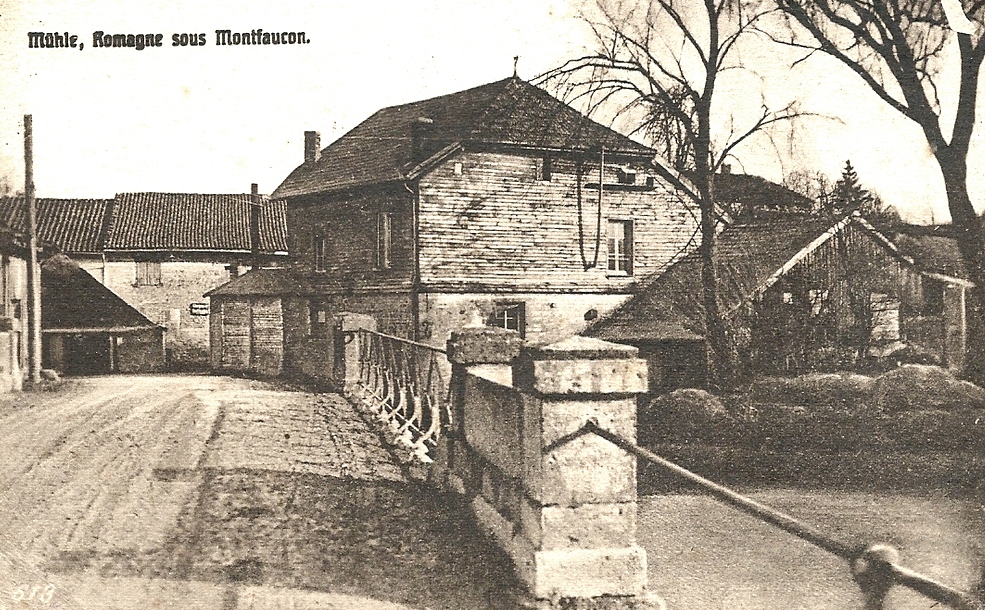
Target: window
[(148, 273), (319, 319), (384, 240), (318, 246), (544, 169), (620, 245), (627, 176), (511, 316)]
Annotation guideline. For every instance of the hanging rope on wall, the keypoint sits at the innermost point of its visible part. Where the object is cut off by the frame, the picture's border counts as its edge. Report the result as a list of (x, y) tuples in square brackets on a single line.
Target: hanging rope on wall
[(579, 173)]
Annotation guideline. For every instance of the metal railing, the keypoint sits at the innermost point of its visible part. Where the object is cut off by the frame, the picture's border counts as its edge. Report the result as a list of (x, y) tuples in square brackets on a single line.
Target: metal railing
[(404, 383), (874, 568)]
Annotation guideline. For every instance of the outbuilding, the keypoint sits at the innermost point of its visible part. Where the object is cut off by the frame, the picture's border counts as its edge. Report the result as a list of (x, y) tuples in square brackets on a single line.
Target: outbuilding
[(246, 321), (88, 330)]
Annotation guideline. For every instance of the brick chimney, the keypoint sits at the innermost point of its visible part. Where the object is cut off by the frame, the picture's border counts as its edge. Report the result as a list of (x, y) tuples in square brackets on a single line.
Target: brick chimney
[(420, 134), (312, 147)]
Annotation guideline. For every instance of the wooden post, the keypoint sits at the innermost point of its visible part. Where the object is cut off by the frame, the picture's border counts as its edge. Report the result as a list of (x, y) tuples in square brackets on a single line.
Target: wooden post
[(33, 270)]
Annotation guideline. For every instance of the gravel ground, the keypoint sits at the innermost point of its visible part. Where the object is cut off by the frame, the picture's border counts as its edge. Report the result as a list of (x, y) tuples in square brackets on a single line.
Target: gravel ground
[(212, 492)]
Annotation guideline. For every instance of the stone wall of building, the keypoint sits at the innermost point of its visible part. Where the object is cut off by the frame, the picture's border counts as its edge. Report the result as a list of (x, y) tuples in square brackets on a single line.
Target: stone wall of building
[(547, 317), (168, 303)]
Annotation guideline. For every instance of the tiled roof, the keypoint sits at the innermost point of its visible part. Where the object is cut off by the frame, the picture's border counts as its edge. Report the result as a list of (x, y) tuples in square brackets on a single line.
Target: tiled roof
[(192, 222), (755, 195), (935, 253), (747, 255), (509, 112), (260, 282), (73, 299), (73, 225)]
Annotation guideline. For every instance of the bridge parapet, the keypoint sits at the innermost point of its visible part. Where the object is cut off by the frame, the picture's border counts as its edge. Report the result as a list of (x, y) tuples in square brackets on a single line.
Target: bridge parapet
[(563, 509)]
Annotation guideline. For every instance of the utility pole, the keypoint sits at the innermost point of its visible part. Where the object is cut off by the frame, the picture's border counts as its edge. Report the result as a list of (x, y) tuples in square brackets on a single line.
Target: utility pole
[(33, 270)]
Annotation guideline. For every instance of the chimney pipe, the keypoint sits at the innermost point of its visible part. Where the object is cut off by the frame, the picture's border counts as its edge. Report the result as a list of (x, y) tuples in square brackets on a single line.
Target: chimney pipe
[(726, 168), (255, 224), (312, 146)]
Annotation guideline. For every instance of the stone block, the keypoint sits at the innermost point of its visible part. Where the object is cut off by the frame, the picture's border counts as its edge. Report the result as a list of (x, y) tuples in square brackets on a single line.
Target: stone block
[(561, 417), (588, 572), (552, 528), (487, 345), (581, 365), (587, 470), (568, 377)]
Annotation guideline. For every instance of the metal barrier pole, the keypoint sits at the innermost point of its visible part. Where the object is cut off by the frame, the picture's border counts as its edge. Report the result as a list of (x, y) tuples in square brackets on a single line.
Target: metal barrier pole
[(873, 568)]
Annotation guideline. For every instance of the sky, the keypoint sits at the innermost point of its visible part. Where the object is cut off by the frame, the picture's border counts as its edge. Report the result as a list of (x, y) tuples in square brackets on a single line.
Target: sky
[(215, 119)]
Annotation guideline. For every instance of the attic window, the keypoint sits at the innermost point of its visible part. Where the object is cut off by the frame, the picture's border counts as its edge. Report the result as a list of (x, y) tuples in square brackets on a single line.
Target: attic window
[(457, 168), (650, 181), (544, 167), (148, 273), (627, 175)]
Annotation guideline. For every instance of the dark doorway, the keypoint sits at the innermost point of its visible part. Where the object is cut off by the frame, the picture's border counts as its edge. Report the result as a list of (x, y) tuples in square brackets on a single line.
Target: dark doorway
[(87, 354)]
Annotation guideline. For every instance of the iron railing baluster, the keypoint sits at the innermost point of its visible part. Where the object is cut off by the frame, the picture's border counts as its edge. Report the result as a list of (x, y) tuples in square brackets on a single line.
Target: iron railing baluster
[(401, 380)]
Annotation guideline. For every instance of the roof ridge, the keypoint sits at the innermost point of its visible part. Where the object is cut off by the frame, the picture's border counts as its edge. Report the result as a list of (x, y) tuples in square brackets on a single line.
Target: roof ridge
[(445, 95), (492, 103), (247, 195)]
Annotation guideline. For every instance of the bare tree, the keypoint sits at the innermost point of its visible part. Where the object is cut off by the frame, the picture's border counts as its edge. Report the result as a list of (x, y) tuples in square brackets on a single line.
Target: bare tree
[(896, 47), (813, 184), (660, 62)]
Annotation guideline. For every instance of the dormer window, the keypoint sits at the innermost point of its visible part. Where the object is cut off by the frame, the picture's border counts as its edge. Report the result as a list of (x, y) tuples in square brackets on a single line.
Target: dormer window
[(627, 175)]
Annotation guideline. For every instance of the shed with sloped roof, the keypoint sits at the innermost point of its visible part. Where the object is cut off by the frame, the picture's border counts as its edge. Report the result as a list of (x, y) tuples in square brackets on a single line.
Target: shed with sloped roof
[(797, 293), (87, 329)]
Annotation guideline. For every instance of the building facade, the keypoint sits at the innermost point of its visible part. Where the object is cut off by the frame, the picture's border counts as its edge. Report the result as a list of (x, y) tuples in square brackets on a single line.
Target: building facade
[(482, 207), (161, 252)]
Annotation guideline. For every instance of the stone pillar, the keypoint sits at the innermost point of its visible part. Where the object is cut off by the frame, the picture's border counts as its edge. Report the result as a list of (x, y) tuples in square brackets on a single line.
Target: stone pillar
[(345, 361), (578, 519)]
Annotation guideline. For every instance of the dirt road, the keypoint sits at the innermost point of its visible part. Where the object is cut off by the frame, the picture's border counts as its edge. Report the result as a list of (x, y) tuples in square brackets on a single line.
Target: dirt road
[(212, 492)]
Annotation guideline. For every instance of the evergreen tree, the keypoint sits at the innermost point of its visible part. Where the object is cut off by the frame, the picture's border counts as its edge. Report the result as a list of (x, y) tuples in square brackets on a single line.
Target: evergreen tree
[(848, 194)]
